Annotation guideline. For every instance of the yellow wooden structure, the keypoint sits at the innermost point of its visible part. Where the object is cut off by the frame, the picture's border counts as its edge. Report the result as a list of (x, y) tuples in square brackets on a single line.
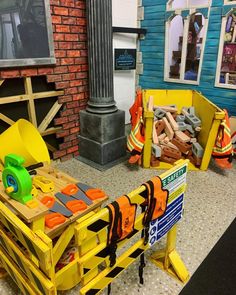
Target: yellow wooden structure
[(30, 254), (210, 115)]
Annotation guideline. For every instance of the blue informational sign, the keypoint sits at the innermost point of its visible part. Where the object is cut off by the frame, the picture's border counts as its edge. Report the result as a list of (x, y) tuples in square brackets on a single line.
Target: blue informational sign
[(162, 225), (175, 183), (125, 59)]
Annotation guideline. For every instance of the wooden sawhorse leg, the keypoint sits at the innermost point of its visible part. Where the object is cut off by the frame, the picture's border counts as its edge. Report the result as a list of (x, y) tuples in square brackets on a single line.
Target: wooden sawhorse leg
[(169, 260)]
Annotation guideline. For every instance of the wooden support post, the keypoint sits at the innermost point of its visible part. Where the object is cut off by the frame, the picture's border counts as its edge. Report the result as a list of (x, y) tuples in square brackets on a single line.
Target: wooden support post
[(31, 106)]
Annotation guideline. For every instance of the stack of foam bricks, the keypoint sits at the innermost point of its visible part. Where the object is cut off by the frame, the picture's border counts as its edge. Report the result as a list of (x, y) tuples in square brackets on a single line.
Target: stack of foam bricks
[(175, 135)]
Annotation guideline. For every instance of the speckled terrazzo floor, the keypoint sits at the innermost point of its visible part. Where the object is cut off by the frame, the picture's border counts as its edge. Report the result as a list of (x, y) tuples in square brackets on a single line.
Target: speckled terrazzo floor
[(210, 206)]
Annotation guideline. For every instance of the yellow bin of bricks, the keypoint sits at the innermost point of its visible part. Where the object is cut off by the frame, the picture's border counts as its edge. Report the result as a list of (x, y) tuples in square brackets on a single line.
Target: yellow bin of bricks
[(210, 115)]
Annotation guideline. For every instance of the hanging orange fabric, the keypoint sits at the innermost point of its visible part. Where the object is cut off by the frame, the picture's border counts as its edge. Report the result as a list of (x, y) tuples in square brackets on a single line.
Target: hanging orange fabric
[(134, 109), (122, 218), (156, 202), (223, 149)]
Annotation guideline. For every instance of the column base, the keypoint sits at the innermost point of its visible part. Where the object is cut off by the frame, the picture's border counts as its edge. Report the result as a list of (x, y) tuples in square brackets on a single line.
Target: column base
[(102, 137)]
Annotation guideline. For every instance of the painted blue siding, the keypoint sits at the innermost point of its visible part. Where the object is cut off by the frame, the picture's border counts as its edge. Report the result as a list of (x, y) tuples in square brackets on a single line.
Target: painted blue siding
[(153, 47)]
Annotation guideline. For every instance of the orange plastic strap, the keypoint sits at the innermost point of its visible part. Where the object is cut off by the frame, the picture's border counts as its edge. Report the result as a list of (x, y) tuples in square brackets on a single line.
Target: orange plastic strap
[(76, 205), (70, 189), (54, 219), (95, 193)]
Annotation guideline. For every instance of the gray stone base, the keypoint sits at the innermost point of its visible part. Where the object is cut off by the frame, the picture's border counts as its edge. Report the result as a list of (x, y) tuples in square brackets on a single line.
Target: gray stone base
[(102, 153)]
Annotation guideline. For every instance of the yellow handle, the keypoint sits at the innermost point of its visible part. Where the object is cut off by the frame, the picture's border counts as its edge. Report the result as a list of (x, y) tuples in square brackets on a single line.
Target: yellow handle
[(9, 189)]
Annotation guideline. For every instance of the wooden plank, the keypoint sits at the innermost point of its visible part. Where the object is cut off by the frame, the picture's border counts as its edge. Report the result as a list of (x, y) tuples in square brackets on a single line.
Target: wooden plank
[(1, 81), (50, 131), (31, 105), (14, 98), (47, 94), (50, 147), (6, 119), (51, 114)]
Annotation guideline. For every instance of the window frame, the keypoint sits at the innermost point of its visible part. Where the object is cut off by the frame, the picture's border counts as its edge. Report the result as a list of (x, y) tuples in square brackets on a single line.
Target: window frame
[(169, 8), (50, 60), (227, 2), (220, 54), (181, 80)]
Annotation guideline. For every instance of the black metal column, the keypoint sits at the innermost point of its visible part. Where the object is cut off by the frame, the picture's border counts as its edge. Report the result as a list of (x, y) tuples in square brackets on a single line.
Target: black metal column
[(100, 58), (102, 140)]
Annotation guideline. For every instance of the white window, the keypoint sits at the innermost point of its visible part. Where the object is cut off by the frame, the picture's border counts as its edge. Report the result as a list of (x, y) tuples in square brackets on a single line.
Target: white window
[(184, 48), (187, 4), (229, 2), (226, 64)]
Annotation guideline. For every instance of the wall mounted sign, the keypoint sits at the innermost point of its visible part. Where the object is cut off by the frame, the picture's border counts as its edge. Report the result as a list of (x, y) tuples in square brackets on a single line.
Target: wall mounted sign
[(125, 59), (25, 33)]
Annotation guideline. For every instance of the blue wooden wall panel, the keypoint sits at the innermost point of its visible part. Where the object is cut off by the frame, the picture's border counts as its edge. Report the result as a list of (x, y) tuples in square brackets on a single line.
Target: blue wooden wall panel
[(153, 54)]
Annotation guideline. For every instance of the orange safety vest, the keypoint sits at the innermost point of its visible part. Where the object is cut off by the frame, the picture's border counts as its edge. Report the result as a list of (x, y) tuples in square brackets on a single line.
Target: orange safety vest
[(136, 139), (134, 109), (223, 149), (122, 218), (156, 202)]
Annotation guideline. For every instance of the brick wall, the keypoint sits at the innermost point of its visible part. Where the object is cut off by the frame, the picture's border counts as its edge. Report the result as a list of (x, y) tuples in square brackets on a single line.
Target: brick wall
[(70, 73)]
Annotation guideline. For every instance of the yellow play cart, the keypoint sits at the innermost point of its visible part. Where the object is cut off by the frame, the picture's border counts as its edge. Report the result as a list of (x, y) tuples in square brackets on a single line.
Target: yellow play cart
[(210, 115)]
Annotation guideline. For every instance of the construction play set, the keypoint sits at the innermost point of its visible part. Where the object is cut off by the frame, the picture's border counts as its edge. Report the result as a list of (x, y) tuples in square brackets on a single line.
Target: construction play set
[(177, 128), (54, 234)]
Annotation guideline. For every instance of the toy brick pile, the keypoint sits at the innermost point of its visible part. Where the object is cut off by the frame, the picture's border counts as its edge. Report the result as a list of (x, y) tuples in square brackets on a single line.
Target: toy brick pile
[(175, 135)]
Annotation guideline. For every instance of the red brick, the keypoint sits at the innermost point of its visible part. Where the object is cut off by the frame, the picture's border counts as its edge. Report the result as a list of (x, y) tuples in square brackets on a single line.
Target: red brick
[(71, 105), (72, 90), (68, 20), (67, 61), (60, 53), (59, 154), (68, 125), (75, 12), (73, 53), (64, 45), (83, 52), (29, 72), (70, 137), (73, 118), (82, 37), (78, 96), (82, 89), (81, 21), (74, 130), (61, 70), (76, 29), (75, 142), (61, 10), (62, 29), (71, 37), (84, 67), (67, 112), (54, 78), (62, 85), (76, 154), (59, 121), (65, 145), (10, 74), (65, 98), (81, 60), (59, 37), (76, 83), (62, 133), (45, 71), (55, 2), (82, 75), (74, 68), (79, 45), (56, 19), (80, 4), (68, 3), (70, 76), (72, 149)]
